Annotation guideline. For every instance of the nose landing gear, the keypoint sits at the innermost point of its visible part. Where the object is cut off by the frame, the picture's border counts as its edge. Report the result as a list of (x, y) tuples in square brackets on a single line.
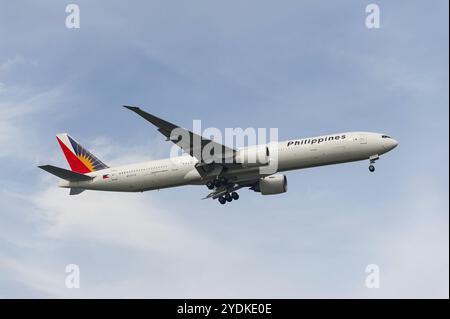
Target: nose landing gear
[(372, 160)]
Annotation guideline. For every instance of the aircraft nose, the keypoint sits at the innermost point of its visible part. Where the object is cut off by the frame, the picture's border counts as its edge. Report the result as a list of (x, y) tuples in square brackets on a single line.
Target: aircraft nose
[(390, 144), (394, 143)]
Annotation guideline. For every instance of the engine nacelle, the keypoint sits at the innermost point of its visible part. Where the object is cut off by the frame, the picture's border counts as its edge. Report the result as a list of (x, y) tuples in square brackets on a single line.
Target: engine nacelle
[(273, 184), (257, 155)]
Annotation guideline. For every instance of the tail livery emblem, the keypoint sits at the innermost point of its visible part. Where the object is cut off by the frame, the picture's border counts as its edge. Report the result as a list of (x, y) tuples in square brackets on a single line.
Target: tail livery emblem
[(79, 158)]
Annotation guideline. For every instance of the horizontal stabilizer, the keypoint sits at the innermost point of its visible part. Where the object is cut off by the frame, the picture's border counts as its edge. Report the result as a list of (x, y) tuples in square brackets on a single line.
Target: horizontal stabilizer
[(65, 174)]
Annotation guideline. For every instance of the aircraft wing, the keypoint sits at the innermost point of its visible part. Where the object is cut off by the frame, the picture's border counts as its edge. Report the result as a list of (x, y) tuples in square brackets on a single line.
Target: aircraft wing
[(191, 143)]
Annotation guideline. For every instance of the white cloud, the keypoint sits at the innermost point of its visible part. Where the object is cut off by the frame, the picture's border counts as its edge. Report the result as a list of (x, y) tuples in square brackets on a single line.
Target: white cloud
[(114, 153), (29, 274), (11, 63), (414, 256), (17, 119), (18, 60), (122, 219), (134, 225)]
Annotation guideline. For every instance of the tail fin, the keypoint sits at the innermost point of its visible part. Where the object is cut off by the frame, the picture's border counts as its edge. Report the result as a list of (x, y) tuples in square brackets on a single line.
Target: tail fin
[(79, 159)]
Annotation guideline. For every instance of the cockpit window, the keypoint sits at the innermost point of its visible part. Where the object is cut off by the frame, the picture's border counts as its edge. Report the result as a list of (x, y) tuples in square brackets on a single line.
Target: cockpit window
[(385, 136)]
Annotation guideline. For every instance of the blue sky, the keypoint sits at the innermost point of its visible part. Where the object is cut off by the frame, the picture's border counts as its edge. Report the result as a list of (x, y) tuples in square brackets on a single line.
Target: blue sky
[(305, 67)]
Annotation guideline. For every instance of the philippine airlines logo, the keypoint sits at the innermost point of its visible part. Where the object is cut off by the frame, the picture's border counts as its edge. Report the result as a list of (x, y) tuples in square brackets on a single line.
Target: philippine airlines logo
[(89, 160)]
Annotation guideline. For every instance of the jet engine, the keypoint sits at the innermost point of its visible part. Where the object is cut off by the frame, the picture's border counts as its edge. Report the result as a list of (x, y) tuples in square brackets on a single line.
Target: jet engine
[(270, 185)]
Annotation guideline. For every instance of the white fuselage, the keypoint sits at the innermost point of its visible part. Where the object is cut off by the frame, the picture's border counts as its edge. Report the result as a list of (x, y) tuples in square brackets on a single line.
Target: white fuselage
[(292, 154)]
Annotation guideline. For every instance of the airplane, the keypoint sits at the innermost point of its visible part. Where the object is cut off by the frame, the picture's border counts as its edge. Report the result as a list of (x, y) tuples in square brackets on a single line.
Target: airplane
[(229, 169)]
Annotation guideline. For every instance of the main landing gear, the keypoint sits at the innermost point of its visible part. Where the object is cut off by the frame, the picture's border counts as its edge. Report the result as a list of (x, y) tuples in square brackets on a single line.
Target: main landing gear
[(372, 160), (228, 197), (216, 183)]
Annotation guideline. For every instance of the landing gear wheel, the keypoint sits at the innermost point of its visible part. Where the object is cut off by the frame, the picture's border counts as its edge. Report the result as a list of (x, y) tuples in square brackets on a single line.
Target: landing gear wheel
[(210, 185), (217, 183), (228, 198), (235, 195), (222, 200), (372, 168)]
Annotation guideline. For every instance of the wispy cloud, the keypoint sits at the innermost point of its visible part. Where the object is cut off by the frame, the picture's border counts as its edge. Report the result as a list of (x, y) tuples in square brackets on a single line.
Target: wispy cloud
[(11, 63), (18, 109)]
